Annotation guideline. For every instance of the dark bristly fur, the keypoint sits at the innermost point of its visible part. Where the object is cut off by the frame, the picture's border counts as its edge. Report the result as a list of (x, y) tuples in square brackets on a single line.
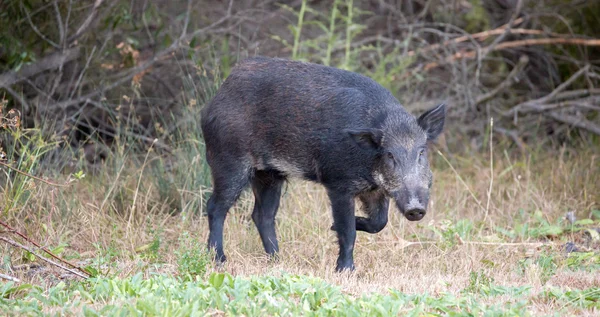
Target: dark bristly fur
[(274, 118)]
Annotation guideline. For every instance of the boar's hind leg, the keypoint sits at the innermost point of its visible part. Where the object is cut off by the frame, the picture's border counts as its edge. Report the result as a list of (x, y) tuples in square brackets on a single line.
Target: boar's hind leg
[(229, 183), (342, 205), (267, 192), (376, 206)]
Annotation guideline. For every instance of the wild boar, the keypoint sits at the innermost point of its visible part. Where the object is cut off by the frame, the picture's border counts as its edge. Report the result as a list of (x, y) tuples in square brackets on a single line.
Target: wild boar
[(274, 119)]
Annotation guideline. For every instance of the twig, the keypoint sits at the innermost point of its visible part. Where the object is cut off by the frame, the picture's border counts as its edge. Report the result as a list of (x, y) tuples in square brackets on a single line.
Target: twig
[(10, 278), (20, 99), (506, 82), (187, 20), (18, 245), (34, 177), (514, 136), (59, 22), (137, 190), (42, 248), (36, 30), (83, 27), (462, 181), (489, 192)]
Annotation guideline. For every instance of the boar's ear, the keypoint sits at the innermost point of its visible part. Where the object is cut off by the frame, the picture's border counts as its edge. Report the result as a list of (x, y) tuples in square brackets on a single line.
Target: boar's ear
[(367, 138), (432, 121)]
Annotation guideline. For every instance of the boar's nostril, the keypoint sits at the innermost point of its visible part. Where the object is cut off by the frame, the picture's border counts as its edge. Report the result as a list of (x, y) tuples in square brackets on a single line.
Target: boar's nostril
[(415, 214)]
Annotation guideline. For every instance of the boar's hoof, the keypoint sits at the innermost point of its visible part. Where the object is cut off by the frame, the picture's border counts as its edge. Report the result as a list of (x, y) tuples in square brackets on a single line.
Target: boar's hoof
[(340, 268), (220, 259)]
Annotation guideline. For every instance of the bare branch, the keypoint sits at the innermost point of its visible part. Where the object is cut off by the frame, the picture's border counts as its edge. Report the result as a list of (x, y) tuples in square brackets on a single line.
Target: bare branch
[(9, 278), (51, 61), (187, 19), (86, 24), (36, 30), (130, 73), (562, 86), (18, 171), (537, 103), (18, 245), (513, 44), (59, 22)]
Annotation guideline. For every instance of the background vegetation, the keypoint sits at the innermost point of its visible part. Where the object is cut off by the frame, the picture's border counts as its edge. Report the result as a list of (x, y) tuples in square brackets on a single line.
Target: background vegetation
[(102, 160)]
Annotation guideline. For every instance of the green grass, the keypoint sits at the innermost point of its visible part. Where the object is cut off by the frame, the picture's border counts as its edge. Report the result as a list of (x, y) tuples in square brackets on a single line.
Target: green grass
[(282, 295)]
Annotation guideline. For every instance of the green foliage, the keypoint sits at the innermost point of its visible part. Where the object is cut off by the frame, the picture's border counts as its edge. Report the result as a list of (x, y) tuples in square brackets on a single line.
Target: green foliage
[(476, 19), (588, 261), (192, 257), (482, 284), (24, 151), (546, 264), (586, 298), (151, 251), (535, 226), (221, 293), (451, 231)]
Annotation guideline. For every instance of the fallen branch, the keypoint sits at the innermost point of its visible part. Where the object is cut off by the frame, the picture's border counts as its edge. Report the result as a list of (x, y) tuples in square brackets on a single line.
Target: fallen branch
[(10, 278), (562, 86), (18, 245), (42, 248), (538, 104), (34, 177), (575, 121)]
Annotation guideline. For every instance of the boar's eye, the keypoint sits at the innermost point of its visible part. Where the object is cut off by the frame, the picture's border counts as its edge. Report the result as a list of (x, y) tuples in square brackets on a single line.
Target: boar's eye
[(421, 155), (389, 159)]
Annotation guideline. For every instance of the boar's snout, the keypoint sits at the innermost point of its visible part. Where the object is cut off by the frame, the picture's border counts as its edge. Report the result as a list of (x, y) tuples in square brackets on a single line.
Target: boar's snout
[(411, 205)]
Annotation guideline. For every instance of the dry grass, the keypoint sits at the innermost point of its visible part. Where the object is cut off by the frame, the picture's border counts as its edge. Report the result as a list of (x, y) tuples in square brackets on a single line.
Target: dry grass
[(95, 225)]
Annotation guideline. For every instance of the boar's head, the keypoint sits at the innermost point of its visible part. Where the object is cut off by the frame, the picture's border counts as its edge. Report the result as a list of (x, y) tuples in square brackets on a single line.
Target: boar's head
[(401, 166)]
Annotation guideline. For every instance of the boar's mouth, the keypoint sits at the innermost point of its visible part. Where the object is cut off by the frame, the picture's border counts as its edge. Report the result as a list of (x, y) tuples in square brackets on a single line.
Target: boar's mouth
[(410, 207)]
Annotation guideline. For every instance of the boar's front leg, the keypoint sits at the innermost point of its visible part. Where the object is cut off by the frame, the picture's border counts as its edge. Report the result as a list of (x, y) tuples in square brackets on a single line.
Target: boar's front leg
[(342, 205), (267, 193), (376, 206)]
